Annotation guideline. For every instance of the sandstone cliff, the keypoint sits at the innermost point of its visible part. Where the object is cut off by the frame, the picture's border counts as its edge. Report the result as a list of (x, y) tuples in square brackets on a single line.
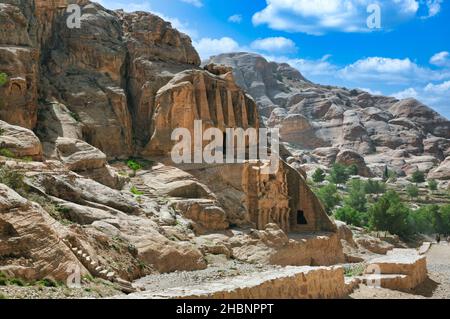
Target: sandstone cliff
[(78, 101), (319, 121)]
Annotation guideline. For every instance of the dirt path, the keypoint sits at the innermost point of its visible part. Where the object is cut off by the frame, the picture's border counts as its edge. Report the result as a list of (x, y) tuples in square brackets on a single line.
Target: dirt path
[(436, 287)]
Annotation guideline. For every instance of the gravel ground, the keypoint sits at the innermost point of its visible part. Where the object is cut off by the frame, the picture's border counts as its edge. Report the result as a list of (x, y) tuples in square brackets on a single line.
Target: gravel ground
[(436, 287), (90, 290)]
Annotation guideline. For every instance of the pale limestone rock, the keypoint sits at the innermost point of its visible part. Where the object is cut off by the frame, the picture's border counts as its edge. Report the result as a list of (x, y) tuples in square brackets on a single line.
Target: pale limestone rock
[(20, 141), (348, 158), (441, 172)]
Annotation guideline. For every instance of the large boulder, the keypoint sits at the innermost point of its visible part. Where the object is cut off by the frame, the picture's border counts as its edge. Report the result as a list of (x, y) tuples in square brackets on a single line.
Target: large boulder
[(441, 172), (78, 155), (19, 141), (87, 160), (349, 157)]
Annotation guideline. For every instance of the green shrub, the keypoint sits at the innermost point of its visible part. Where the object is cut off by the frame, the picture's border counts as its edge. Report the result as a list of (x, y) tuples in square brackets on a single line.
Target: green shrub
[(412, 191), (432, 185), (352, 170), (374, 187), (418, 177), (339, 174), (135, 191), (6, 153), (3, 78), (75, 116), (318, 176), (47, 282), (13, 179), (134, 165), (351, 216), (329, 197)]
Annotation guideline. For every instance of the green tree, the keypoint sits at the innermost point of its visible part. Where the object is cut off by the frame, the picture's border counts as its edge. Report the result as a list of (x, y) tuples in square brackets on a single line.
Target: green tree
[(329, 197), (412, 191), (441, 219), (432, 185), (418, 177), (421, 220), (386, 174), (351, 216), (374, 187), (390, 214), (3, 78), (339, 174), (318, 176), (356, 198)]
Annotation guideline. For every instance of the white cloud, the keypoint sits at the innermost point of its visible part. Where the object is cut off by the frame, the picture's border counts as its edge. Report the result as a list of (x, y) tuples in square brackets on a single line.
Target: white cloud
[(235, 18), (405, 94), (434, 7), (208, 47), (438, 88), (370, 91), (390, 71), (275, 44), (145, 6), (322, 16), (441, 59), (196, 3)]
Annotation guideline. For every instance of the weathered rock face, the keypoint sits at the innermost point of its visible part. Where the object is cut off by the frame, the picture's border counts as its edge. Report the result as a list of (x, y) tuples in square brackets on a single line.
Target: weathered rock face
[(156, 53), (114, 88), (383, 130), (19, 141), (19, 59), (348, 158), (104, 75), (197, 95), (259, 77), (30, 246), (441, 172), (79, 156)]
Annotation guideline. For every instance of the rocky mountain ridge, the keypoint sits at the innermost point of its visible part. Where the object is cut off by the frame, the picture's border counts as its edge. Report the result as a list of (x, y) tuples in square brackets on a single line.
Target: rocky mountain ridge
[(319, 122)]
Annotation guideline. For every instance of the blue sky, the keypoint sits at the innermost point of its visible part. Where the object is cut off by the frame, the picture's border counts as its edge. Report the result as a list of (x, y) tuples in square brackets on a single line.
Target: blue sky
[(327, 40)]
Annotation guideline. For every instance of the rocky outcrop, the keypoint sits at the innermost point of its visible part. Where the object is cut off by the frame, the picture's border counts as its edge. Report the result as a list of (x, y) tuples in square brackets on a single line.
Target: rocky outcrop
[(289, 282), (196, 95), (19, 142), (349, 158), (382, 130), (114, 89), (30, 246), (78, 156), (441, 172), (19, 59)]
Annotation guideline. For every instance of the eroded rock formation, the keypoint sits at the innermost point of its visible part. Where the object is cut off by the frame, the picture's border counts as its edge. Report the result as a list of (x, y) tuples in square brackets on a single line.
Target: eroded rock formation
[(112, 89), (317, 120)]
